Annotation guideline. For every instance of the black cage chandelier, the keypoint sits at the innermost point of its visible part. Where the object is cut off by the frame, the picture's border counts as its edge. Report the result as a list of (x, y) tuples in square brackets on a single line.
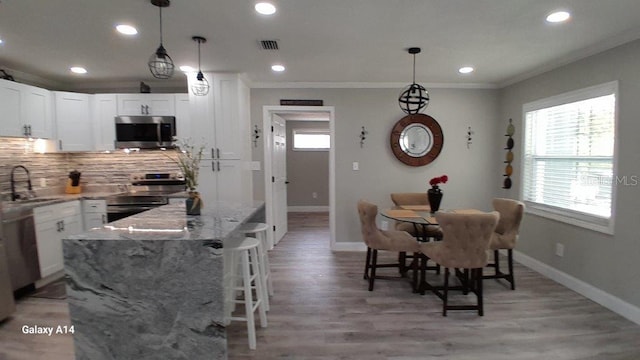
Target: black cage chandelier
[(414, 97), (160, 63), (201, 86)]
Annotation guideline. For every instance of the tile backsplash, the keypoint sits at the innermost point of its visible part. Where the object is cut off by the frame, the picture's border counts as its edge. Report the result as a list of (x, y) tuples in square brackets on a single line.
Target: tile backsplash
[(96, 168)]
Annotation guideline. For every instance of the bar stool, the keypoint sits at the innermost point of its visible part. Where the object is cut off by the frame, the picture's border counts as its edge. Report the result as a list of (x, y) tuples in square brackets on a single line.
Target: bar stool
[(242, 263), (259, 230)]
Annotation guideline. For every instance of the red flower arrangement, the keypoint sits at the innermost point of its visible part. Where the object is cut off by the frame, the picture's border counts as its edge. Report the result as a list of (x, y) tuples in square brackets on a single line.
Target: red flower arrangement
[(438, 180)]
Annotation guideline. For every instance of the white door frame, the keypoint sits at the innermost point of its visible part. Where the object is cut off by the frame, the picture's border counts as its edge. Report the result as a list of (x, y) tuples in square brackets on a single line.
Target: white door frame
[(267, 112)]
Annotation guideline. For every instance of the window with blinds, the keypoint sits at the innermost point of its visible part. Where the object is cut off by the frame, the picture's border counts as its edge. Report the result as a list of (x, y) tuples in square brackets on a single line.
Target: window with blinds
[(568, 156)]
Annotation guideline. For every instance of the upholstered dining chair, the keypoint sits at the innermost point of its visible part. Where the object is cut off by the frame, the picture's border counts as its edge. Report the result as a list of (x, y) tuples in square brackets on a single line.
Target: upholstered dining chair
[(376, 239), (421, 232), (464, 245), (504, 238)]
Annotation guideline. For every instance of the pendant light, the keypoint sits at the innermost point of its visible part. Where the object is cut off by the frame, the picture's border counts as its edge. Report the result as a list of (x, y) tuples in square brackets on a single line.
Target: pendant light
[(160, 63), (201, 86), (414, 97)]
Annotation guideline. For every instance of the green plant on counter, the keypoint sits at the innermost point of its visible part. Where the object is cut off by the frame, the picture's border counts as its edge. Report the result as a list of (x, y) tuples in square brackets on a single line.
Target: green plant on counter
[(188, 160)]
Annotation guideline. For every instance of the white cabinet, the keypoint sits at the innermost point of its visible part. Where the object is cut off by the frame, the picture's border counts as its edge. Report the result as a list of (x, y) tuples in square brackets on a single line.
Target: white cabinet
[(26, 110), (53, 223), (183, 119), (94, 213), (104, 110), (220, 121), (73, 121), (220, 180), (146, 104)]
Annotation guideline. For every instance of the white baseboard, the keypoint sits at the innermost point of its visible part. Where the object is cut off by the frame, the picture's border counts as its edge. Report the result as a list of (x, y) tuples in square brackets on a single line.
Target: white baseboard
[(308, 209), (49, 279), (603, 298), (349, 246)]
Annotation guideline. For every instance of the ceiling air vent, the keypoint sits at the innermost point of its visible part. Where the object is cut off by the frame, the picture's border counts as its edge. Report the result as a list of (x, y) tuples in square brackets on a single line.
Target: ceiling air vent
[(269, 44)]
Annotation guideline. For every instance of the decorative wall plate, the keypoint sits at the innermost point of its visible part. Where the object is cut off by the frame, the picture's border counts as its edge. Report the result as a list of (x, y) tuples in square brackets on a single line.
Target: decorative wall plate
[(417, 139)]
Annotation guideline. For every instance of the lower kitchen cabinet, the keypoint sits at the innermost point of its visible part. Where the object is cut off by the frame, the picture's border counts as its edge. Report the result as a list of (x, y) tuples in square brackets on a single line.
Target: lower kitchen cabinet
[(222, 180), (94, 213), (53, 223)]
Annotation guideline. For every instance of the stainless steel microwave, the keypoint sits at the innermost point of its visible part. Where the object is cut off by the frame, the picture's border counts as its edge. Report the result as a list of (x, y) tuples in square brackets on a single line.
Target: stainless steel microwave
[(145, 132)]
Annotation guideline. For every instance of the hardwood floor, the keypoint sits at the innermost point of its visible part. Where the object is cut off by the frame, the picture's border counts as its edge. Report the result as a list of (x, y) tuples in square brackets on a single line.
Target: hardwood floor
[(321, 309)]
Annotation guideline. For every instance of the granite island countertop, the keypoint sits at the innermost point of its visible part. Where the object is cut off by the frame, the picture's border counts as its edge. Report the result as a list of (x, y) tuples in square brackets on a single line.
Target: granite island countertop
[(150, 286), (216, 222)]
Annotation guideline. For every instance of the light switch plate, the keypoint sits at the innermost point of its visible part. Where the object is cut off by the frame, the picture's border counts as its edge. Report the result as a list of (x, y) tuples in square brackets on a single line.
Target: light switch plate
[(356, 166)]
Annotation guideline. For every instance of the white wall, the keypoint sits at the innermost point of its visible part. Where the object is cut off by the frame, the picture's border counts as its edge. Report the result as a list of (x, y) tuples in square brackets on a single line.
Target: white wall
[(609, 263), (472, 172)]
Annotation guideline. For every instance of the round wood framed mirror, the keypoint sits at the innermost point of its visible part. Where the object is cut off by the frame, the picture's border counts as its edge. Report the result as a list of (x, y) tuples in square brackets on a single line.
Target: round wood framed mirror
[(416, 139)]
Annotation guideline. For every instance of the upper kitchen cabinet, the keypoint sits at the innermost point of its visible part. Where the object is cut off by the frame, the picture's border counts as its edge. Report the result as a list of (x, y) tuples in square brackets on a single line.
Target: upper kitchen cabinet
[(183, 118), (104, 110), (26, 110), (73, 121), (220, 120), (146, 104)]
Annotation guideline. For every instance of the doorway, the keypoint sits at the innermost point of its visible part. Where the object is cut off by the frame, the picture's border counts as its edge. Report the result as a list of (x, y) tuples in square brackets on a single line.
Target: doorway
[(275, 186)]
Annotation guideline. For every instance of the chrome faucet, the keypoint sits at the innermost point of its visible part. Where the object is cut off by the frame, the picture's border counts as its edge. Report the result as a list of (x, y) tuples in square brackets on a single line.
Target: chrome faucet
[(14, 195)]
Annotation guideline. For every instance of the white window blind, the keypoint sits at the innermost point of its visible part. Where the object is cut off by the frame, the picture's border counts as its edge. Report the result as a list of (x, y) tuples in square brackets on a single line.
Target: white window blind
[(569, 155)]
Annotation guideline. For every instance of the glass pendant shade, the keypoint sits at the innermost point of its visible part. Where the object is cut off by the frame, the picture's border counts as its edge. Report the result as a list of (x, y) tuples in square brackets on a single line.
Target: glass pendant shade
[(160, 63), (201, 86)]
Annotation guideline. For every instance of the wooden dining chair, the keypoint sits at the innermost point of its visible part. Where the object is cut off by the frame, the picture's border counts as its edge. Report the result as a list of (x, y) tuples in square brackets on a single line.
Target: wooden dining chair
[(505, 236), (376, 239), (464, 247)]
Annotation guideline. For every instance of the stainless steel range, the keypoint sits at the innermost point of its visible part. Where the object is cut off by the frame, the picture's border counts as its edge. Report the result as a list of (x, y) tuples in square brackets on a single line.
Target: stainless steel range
[(147, 191)]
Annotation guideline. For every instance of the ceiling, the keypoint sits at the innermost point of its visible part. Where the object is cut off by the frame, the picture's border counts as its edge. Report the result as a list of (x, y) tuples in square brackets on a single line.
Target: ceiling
[(321, 41)]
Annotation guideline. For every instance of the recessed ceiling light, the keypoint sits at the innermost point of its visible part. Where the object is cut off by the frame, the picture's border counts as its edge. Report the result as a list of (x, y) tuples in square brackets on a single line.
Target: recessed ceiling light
[(265, 8), (558, 16), (126, 29), (465, 70), (277, 67), (78, 70), (187, 68), (1, 41)]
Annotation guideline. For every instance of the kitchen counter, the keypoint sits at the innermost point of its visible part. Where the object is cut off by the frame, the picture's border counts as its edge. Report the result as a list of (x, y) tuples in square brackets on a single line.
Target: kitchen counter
[(150, 286)]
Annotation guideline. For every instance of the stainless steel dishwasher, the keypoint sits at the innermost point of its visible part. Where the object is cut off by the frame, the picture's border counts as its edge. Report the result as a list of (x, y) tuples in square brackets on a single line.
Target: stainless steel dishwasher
[(20, 243), (7, 304)]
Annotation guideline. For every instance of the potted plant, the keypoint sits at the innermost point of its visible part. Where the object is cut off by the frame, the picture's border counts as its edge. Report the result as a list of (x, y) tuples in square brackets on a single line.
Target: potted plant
[(435, 194), (188, 160)]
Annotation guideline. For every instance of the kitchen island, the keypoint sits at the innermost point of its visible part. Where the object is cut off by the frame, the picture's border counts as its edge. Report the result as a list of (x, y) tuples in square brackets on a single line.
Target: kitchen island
[(150, 286)]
